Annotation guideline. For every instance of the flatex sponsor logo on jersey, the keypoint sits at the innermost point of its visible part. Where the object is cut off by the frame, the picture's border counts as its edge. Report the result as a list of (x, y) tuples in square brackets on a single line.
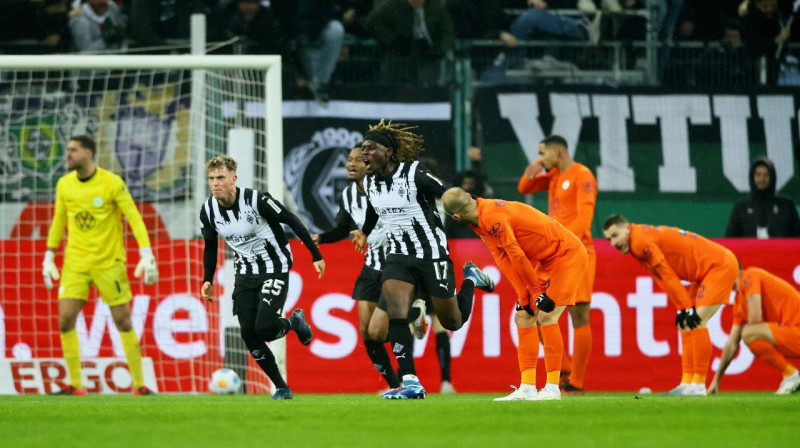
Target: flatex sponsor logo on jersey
[(315, 174)]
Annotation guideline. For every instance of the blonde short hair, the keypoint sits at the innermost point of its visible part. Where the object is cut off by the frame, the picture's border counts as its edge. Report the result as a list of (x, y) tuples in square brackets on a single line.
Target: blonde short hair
[(222, 162)]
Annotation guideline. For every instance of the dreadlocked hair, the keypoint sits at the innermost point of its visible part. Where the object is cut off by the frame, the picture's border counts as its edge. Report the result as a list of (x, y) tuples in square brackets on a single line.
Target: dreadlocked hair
[(407, 145)]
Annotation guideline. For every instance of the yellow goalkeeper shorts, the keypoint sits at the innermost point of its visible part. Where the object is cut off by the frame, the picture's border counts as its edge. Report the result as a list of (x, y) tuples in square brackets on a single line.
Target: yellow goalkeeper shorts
[(112, 284)]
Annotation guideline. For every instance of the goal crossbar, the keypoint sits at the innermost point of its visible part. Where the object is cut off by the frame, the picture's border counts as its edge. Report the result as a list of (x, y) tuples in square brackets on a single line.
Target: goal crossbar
[(121, 62)]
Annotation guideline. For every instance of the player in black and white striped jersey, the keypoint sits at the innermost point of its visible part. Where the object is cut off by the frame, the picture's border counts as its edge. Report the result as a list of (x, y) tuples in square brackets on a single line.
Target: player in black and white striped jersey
[(367, 290), (402, 192), (250, 222)]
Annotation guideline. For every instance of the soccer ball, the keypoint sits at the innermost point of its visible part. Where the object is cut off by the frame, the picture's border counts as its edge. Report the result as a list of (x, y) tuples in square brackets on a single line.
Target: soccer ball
[(224, 381)]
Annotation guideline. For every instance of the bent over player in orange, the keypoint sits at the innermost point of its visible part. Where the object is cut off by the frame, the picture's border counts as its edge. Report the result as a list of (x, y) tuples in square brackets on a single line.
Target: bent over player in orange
[(766, 314), (572, 195), (519, 237), (672, 255)]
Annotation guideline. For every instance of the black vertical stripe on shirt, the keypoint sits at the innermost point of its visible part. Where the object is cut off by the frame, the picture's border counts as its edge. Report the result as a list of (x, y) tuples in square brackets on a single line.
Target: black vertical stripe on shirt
[(273, 255), (409, 244), (427, 251)]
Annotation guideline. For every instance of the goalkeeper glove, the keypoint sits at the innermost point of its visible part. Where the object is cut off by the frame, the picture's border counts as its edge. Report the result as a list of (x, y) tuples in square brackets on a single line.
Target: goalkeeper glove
[(545, 303), (147, 265), (49, 269), (693, 319)]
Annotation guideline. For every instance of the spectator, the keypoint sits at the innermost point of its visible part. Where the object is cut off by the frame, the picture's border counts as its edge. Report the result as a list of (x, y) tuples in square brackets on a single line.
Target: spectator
[(256, 25), (473, 181), (763, 214), (764, 30), (159, 20), (415, 36), (317, 35), (727, 64), (479, 19), (538, 23), (96, 26), (354, 18), (44, 21)]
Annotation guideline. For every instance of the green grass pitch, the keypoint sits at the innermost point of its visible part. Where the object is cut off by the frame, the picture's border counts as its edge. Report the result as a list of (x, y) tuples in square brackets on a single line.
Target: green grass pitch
[(352, 421)]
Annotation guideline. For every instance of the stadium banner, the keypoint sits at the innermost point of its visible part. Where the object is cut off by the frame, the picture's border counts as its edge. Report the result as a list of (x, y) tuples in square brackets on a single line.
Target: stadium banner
[(142, 134), (44, 376), (317, 142), (659, 155), (632, 323)]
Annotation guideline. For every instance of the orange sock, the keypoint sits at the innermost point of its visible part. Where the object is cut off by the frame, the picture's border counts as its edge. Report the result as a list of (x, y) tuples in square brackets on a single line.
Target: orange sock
[(702, 355), (687, 358), (789, 370), (528, 353), (553, 348), (566, 363), (770, 355), (580, 359)]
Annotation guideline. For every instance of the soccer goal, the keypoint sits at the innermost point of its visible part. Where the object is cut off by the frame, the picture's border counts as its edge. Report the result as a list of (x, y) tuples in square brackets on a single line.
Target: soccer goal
[(156, 120)]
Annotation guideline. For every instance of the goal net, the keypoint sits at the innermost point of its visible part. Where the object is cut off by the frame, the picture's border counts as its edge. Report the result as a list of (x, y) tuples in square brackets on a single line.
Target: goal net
[(156, 121)]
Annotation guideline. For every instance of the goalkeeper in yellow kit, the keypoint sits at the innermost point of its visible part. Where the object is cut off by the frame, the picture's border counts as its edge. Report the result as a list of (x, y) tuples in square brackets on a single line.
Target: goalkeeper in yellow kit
[(89, 202)]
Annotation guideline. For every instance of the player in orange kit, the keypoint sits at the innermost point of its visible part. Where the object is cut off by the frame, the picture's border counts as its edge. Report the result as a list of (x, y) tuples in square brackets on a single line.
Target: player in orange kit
[(519, 237), (572, 194), (672, 255), (766, 314)]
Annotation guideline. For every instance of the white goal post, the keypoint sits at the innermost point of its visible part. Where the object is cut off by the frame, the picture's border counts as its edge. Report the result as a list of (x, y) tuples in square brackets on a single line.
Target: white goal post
[(157, 119)]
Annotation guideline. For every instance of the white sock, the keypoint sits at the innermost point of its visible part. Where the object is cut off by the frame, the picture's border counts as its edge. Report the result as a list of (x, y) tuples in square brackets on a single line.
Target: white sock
[(527, 388)]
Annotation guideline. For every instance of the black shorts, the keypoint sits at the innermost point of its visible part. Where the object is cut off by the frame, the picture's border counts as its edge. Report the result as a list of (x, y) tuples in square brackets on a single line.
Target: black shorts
[(267, 290), (432, 277), (368, 285)]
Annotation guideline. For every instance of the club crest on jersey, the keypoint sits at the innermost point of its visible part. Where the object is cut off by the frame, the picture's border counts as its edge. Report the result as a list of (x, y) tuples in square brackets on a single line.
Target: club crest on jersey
[(97, 201), (84, 220), (251, 217)]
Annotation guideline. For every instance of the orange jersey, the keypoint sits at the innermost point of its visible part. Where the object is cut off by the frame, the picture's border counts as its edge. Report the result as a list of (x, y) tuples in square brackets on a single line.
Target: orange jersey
[(517, 235), (780, 302), (672, 254), (572, 196)]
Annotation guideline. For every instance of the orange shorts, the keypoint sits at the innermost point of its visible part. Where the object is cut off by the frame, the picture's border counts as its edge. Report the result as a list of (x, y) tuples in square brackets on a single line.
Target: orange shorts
[(586, 285), (787, 339), (716, 287), (564, 275)]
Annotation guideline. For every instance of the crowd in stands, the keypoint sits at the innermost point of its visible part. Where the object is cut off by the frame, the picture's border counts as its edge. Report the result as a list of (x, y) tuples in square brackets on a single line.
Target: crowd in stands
[(414, 36)]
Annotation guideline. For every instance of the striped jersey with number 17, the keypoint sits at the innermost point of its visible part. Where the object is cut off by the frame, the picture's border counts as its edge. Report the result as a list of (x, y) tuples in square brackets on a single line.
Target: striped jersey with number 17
[(405, 202)]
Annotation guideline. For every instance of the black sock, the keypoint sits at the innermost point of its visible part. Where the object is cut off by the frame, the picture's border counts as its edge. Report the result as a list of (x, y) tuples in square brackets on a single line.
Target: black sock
[(266, 360), (380, 360), (464, 298), (402, 346), (443, 350)]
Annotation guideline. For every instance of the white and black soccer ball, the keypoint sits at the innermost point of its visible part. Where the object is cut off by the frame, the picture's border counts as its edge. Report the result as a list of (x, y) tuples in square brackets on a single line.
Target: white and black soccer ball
[(224, 381)]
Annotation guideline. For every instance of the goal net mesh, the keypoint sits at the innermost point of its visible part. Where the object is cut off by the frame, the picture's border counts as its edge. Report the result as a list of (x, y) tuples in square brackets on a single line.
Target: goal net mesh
[(156, 129)]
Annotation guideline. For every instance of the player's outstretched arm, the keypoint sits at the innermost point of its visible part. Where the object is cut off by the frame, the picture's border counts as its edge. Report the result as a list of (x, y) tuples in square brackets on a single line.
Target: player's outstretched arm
[(344, 224), (147, 266), (49, 269), (273, 210), (728, 353)]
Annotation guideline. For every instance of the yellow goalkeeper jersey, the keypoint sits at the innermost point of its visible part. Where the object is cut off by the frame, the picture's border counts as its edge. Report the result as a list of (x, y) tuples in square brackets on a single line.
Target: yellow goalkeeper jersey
[(91, 212)]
